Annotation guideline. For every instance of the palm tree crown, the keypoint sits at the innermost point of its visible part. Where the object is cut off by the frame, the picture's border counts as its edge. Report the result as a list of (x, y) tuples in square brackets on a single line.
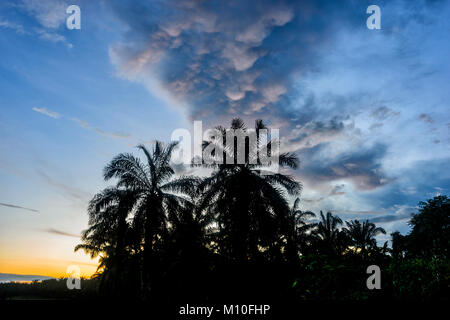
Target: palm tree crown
[(157, 194), (362, 235), (248, 204)]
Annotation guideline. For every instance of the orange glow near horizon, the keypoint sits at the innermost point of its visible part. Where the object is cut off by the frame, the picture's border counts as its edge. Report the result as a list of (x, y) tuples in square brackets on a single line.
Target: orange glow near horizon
[(46, 267), (30, 251)]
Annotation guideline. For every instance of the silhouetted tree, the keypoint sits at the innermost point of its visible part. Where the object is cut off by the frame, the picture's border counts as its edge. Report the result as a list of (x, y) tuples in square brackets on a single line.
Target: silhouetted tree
[(399, 245), (362, 235), (430, 234), (298, 232), (108, 211), (328, 237), (167, 238), (157, 194), (248, 203)]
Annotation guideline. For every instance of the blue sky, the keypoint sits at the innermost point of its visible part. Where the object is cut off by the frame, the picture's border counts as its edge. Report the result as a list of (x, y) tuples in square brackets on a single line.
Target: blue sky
[(366, 110)]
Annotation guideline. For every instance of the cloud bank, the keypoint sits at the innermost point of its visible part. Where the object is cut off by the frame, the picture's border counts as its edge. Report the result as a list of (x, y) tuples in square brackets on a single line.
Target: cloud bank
[(226, 58), (347, 99)]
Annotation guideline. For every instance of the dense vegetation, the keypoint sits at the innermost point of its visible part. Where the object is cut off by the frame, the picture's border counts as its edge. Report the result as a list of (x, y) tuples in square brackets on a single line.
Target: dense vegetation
[(234, 237), (51, 289)]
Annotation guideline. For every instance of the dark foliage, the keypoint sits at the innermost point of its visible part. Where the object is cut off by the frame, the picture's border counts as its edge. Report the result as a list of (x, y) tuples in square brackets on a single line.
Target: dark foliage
[(233, 237)]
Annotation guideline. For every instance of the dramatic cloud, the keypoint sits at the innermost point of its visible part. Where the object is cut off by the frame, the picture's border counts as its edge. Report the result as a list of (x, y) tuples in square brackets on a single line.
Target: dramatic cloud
[(17, 207), (339, 92), (47, 112), (224, 58)]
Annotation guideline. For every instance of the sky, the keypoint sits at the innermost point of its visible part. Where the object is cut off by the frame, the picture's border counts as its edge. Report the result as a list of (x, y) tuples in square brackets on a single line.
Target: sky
[(367, 111)]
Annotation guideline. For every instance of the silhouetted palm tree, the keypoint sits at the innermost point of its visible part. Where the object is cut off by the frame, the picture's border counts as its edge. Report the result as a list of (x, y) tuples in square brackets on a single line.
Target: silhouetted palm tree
[(362, 235), (157, 194), (108, 211), (297, 235), (328, 234), (248, 203)]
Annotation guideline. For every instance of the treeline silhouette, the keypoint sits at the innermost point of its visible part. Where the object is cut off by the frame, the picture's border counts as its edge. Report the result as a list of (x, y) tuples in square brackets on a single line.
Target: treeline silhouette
[(50, 289), (233, 237)]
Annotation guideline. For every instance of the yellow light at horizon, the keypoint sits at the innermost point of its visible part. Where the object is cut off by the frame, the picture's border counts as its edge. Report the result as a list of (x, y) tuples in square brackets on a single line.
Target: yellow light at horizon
[(46, 267), (39, 253)]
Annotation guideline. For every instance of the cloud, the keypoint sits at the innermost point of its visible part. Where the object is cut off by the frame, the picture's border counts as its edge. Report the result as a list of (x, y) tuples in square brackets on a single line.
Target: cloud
[(358, 212), (426, 118), (338, 190), (82, 123), (311, 68), (362, 167), (60, 233), (314, 133), (9, 277), (53, 37), (118, 135), (47, 112), (383, 113), (66, 190), (402, 212), (50, 13), (85, 125), (391, 218), (14, 26), (313, 201), (376, 125), (223, 58), (17, 207)]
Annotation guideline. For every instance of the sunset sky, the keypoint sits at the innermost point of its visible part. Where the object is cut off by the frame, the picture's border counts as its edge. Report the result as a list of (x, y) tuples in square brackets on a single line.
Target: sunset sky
[(367, 111)]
